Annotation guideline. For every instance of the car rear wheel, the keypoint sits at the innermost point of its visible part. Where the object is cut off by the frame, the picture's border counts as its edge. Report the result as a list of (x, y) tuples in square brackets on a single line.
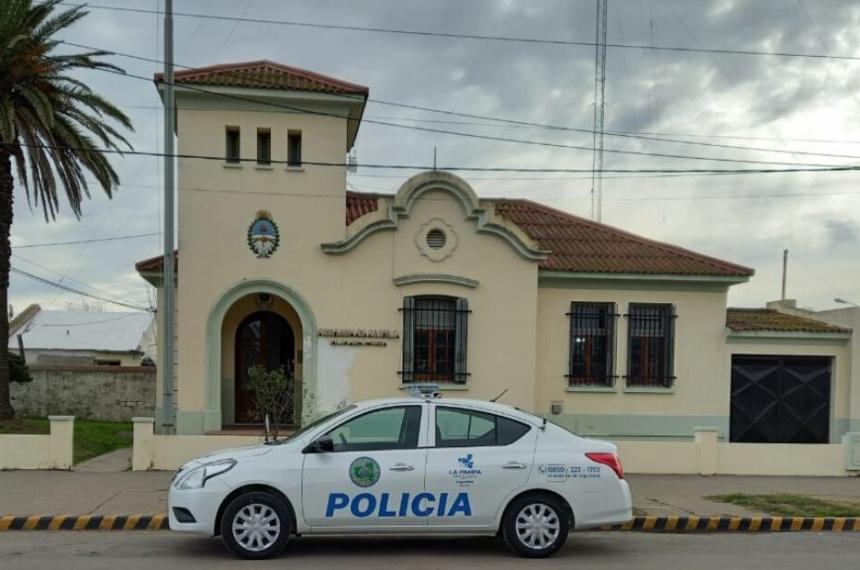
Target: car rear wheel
[(256, 525), (535, 525)]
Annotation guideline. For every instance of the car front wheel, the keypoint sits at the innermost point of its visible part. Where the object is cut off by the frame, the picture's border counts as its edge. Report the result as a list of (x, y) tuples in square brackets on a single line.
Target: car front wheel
[(256, 525), (535, 525)]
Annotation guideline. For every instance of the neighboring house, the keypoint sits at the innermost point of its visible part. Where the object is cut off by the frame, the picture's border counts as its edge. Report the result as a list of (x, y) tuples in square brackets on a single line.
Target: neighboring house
[(82, 338), (362, 295)]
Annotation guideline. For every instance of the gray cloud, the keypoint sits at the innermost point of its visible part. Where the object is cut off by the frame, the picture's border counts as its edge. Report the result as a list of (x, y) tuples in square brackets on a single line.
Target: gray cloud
[(746, 219)]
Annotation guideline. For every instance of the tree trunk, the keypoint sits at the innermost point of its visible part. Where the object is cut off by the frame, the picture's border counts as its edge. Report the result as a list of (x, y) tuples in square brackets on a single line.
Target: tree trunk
[(6, 200)]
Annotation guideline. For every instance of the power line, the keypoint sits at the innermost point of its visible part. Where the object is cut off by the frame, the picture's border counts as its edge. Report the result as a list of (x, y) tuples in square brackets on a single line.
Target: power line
[(455, 168), (93, 240), (84, 324), (77, 291), (511, 123), (514, 122), (467, 135), (483, 37)]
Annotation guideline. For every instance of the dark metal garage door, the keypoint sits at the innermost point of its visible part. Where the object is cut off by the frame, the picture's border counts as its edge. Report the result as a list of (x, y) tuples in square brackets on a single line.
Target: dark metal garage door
[(780, 399)]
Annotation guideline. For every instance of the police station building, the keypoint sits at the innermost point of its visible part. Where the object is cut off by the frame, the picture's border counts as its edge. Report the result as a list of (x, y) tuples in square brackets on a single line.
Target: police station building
[(358, 296)]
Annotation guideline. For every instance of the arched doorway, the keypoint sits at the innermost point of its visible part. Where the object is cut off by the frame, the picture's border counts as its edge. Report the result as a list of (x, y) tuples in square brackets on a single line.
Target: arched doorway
[(263, 338)]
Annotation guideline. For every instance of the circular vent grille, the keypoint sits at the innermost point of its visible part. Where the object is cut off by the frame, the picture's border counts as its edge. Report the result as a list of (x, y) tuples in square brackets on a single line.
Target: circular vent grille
[(436, 239)]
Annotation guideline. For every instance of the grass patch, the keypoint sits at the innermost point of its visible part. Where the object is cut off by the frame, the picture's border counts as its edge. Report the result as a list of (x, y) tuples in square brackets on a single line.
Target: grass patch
[(26, 426), (787, 505), (92, 437)]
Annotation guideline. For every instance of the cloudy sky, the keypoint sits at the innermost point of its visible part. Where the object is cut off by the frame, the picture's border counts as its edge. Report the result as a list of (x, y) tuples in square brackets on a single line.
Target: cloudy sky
[(785, 104)]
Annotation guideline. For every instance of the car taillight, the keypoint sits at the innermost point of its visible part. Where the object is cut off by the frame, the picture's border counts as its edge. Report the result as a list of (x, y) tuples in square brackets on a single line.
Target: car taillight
[(609, 459)]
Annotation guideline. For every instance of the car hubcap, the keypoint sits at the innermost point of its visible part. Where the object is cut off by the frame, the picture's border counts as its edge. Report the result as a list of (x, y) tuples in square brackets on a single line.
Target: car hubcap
[(537, 526), (256, 527)]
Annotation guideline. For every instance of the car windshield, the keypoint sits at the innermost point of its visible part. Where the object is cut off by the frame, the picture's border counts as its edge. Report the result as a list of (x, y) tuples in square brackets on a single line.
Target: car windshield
[(317, 422)]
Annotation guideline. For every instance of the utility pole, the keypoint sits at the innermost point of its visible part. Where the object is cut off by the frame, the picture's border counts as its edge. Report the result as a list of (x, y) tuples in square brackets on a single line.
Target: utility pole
[(166, 351), (599, 102), (784, 271)]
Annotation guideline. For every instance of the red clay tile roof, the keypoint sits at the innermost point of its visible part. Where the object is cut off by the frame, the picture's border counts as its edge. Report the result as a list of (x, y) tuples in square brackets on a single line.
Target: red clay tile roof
[(156, 263), (581, 245), (359, 204), (576, 244), (264, 74), (752, 320)]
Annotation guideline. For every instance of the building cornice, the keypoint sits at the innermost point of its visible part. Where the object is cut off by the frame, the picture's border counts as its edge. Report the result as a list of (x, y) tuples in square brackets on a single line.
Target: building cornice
[(435, 278), (484, 215)]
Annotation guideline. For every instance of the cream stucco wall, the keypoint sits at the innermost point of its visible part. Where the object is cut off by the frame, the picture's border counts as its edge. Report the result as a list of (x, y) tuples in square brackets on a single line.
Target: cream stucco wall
[(218, 202), (503, 304), (352, 289), (326, 275), (700, 394)]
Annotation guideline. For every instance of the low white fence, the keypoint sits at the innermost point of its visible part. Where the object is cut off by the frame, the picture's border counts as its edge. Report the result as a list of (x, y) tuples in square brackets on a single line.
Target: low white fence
[(168, 452), (46, 451), (705, 455)]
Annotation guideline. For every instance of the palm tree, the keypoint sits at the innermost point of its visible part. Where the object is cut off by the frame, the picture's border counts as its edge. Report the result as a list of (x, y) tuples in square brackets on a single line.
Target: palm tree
[(51, 126)]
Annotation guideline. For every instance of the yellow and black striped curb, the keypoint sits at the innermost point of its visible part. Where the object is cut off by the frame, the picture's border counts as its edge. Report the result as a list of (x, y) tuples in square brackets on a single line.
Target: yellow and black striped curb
[(676, 524), (680, 524), (83, 522)]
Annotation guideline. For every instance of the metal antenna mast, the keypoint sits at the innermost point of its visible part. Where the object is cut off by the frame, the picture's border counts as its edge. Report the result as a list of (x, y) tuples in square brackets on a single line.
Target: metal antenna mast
[(599, 101)]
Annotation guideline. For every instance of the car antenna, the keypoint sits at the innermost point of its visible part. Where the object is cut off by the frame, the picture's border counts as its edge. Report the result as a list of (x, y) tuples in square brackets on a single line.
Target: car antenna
[(505, 391)]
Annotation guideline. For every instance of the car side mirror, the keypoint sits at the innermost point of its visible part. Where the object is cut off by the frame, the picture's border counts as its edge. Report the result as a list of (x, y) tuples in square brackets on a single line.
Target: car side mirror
[(321, 444)]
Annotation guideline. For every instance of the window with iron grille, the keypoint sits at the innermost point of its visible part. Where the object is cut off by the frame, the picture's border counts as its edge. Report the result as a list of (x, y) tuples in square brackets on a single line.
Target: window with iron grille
[(434, 339), (651, 345), (592, 344)]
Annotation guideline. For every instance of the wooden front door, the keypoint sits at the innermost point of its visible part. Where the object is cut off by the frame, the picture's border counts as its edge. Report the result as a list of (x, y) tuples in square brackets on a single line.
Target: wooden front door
[(266, 339)]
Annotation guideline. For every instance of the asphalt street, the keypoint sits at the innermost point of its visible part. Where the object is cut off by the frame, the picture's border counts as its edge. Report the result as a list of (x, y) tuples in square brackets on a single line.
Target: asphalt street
[(130, 550)]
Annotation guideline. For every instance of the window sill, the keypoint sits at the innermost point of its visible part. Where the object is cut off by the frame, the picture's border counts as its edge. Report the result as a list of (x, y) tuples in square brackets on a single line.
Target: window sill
[(263, 167), (440, 385), (647, 390), (603, 389), (295, 169), (232, 165)]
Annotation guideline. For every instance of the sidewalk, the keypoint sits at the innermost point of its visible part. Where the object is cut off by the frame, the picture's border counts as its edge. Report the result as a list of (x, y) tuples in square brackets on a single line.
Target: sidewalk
[(145, 492)]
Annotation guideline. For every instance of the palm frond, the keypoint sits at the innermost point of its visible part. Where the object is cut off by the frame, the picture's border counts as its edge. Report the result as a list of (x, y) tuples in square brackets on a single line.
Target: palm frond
[(51, 120)]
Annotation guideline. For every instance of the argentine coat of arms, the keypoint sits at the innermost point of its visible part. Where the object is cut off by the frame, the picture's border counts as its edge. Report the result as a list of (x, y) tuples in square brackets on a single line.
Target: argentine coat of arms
[(263, 235)]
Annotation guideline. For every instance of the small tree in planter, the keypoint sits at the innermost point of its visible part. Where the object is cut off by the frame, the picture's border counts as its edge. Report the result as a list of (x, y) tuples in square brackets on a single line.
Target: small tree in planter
[(273, 398)]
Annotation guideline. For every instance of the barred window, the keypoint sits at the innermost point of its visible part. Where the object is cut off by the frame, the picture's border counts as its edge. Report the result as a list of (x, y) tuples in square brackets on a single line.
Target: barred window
[(434, 339), (592, 344), (651, 345)]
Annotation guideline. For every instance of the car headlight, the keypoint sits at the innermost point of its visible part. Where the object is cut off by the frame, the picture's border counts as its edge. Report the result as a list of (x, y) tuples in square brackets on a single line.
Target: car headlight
[(196, 478)]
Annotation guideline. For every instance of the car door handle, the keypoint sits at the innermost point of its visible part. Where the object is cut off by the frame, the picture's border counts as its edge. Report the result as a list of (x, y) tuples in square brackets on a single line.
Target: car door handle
[(401, 467), (514, 465)]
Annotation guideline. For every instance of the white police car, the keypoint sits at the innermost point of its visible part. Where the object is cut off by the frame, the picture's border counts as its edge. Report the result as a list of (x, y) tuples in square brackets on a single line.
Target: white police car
[(406, 466)]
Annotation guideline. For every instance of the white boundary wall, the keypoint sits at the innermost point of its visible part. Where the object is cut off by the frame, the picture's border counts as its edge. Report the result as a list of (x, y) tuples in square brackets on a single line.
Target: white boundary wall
[(705, 455), (49, 451), (168, 452)]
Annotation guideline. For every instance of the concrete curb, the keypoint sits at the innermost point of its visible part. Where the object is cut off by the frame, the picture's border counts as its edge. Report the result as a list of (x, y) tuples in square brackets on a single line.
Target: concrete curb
[(679, 524), (672, 524)]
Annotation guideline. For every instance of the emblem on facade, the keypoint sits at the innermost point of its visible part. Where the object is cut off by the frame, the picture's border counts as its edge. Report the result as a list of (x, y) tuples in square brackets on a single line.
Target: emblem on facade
[(364, 471), (263, 235)]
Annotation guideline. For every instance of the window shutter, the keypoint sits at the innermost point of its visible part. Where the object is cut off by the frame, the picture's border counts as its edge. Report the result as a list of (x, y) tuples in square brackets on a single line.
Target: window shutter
[(460, 372), (408, 339)]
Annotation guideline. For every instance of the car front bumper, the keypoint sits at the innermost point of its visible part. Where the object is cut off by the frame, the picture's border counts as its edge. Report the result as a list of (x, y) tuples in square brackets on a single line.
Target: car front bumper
[(201, 504)]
